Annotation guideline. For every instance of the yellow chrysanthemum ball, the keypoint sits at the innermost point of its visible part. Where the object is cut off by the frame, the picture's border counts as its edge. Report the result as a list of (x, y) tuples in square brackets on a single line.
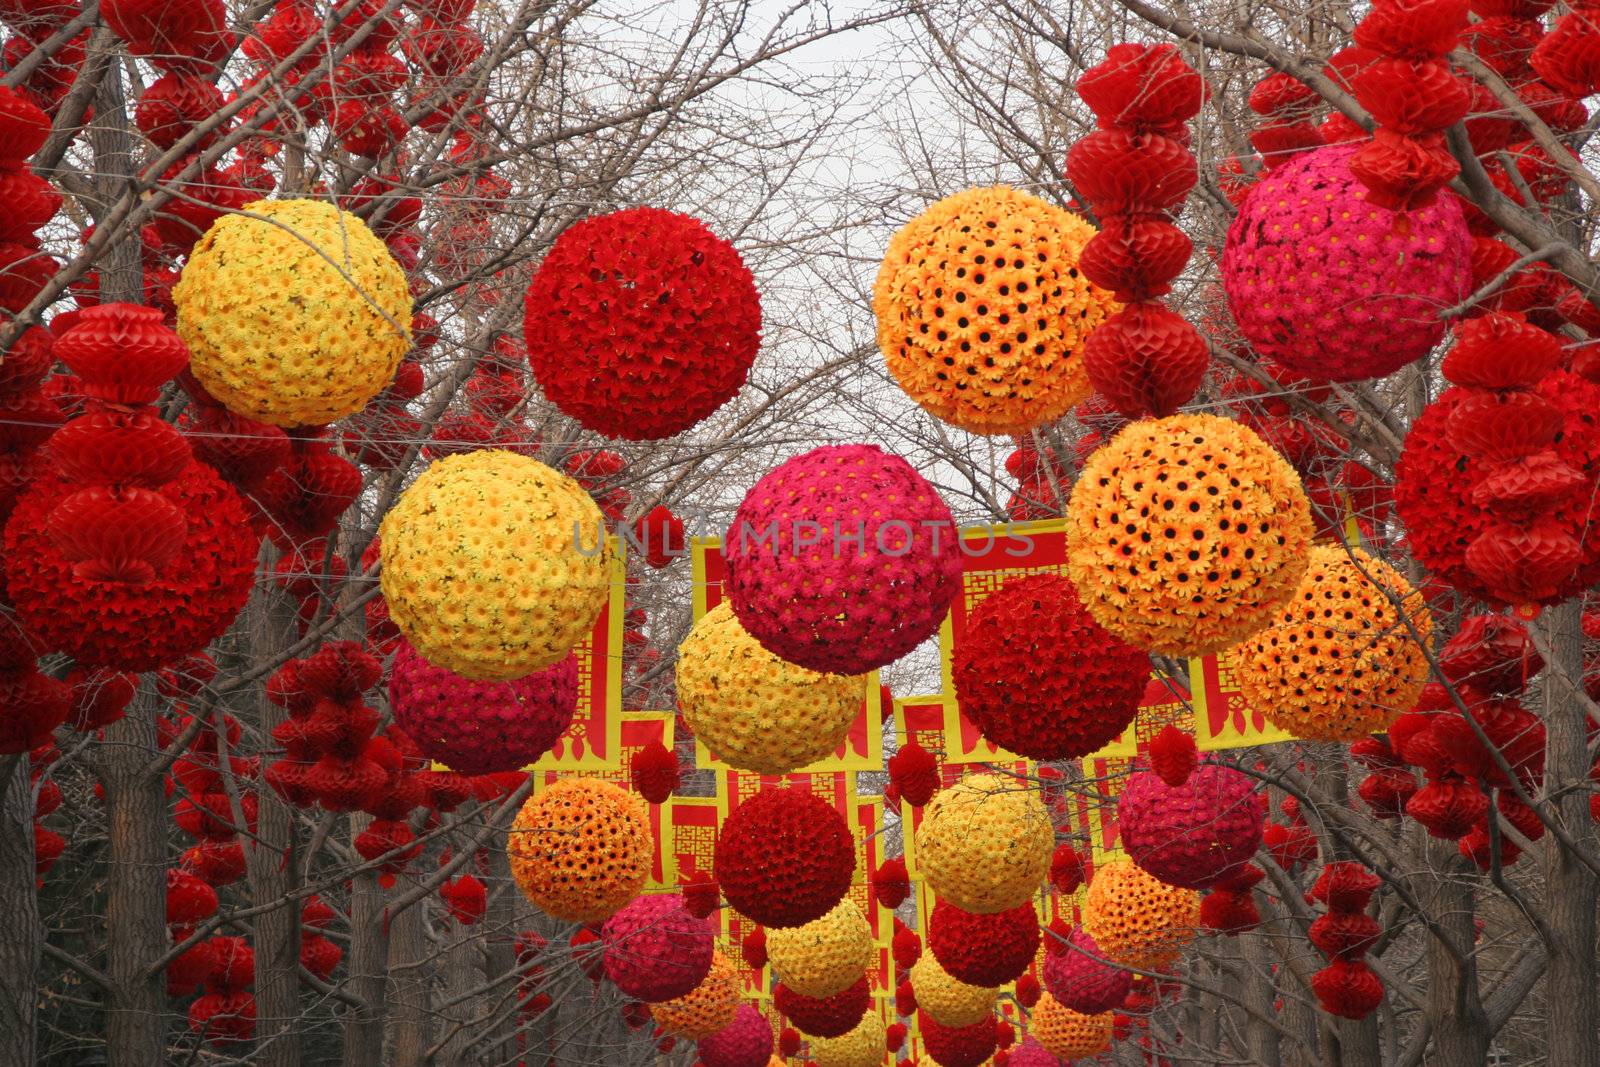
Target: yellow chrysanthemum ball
[(949, 1000), (1187, 534), (825, 956), (1068, 1034), (982, 311), (985, 843), (753, 710), (581, 849), (862, 1047), (294, 313), (1137, 919), (706, 1008), (494, 565), (1340, 661)]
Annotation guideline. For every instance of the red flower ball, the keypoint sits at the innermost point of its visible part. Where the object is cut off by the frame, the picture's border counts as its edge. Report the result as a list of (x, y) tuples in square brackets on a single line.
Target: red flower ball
[(1082, 979), (744, 1042), (957, 1046), (655, 950), (784, 858), (1195, 835), (832, 1016), (983, 950)]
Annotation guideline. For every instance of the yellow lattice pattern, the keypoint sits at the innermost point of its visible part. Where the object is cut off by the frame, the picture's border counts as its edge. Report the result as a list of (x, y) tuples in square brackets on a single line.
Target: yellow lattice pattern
[(976, 585), (699, 843)]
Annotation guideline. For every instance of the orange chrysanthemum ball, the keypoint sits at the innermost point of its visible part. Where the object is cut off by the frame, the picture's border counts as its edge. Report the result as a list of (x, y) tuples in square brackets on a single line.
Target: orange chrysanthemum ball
[(982, 311), (706, 1008), (1067, 1034), (581, 849), (1341, 660), (1136, 919), (1186, 534), (985, 843)]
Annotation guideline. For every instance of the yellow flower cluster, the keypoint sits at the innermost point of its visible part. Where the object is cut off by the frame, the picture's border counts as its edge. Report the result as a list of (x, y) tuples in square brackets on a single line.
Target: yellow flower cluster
[(494, 565), (1339, 662), (862, 1047), (1137, 919), (1186, 534), (753, 710), (294, 313), (985, 843), (949, 1000), (982, 311), (706, 1008), (1067, 1034), (825, 956), (581, 849)]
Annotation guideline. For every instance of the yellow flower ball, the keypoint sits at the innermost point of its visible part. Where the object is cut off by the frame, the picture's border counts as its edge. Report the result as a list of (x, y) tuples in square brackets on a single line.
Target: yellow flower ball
[(494, 565), (581, 849), (1137, 919), (1339, 662), (825, 956), (862, 1047), (294, 313), (949, 1000), (753, 710), (1067, 1034), (985, 843), (982, 312), (1187, 534), (706, 1008)]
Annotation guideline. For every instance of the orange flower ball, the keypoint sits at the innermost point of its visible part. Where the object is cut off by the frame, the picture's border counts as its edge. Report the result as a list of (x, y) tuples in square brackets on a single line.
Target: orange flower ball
[(1340, 662), (1137, 920), (1187, 534), (581, 849), (706, 1008), (1067, 1034)]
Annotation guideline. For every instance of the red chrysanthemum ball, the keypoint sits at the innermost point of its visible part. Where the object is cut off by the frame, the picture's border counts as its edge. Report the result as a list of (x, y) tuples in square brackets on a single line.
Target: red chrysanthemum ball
[(745, 1042), (134, 626), (1081, 978), (642, 322), (983, 950), (832, 1016), (957, 1046), (1195, 835), (655, 950), (842, 559), (784, 857), (1039, 677)]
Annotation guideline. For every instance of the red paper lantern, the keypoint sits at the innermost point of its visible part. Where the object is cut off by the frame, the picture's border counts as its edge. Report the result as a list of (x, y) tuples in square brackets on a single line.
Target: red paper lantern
[(24, 127), (1141, 86), (1123, 173), (654, 772), (1146, 360), (1348, 989), (173, 105)]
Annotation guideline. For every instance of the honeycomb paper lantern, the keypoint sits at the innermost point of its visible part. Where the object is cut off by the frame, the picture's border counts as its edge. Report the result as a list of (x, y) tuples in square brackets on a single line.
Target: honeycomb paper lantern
[(1137, 919), (784, 858), (1039, 677), (295, 314), (705, 1009), (1195, 835), (842, 559), (1068, 1034), (1187, 534), (862, 1047), (1333, 287), (581, 849), (950, 1001), (1339, 662), (656, 950), (983, 950), (985, 843), (753, 710), (826, 955), (1080, 977), (494, 565), (982, 312), (744, 1042), (481, 727)]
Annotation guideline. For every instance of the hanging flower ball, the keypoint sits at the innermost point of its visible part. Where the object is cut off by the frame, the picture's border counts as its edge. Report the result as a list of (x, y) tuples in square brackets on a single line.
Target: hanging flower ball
[(655, 950), (842, 559), (1039, 677), (957, 1046), (744, 1042), (784, 858), (830, 1016), (1186, 534), (826, 955), (705, 1009), (641, 323), (1080, 977), (982, 311), (1068, 1034), (1331, 286), (581, 849), (494, 565), (753, 710), (1136, 919), (985, 843), (948, 1000), (862, 1047), (984, 950), (1032, 1054), (296, 315), (481, 727), (1196, 835), (1339, 662)]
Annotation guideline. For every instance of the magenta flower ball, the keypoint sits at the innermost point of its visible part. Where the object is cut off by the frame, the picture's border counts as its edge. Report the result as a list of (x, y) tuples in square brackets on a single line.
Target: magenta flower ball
[(1333, 288), (481, 727), (1032, 1054), (655, 950), (1196, 835), (842, 559), (1079, 978), (745, 1042)]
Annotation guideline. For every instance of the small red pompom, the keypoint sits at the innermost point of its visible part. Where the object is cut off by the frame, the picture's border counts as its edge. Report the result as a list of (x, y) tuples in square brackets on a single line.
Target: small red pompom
[(914, 772), (661, 533), (654, 773), (319, 955), (890, 882), (789, 1042), (905, 946), (1066, 870), (701, 895), (894, 1036), (466, 898), (754, 947), (983, 950), (1028, 991), (1173, 755)]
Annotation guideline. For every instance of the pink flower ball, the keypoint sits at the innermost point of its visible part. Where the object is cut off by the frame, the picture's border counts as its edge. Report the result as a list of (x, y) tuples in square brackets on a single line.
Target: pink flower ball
[(1032, 1054), (481, 727), (655, 950), (1195, 835), (842, 559), (1080, 979), (1334, 288), (745, 1042)]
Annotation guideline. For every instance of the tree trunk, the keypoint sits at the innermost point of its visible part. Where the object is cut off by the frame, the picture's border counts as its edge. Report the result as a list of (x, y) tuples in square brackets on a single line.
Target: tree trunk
[(1455, 1012), (368, 970), (20, 932), (410, 1032), (1258, 993), (463, 972)]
